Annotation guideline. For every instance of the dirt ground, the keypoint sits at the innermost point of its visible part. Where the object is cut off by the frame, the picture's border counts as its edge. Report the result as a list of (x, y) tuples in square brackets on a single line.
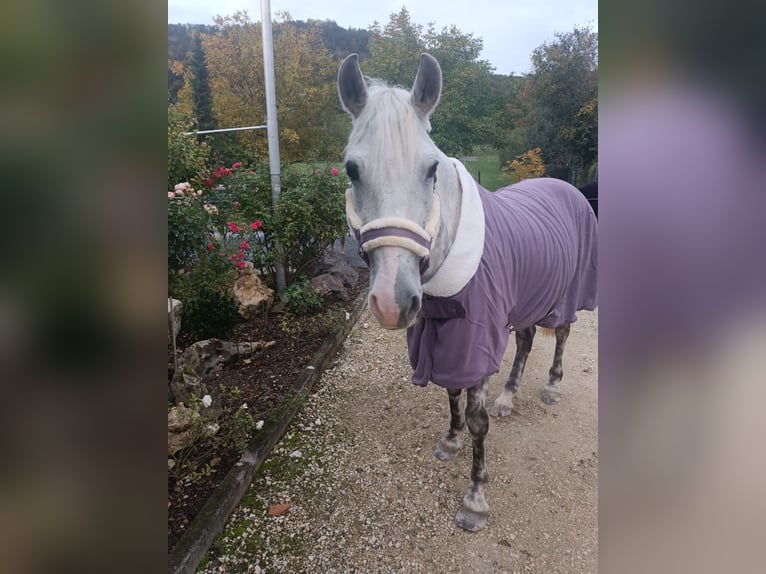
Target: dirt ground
[(367, 494)]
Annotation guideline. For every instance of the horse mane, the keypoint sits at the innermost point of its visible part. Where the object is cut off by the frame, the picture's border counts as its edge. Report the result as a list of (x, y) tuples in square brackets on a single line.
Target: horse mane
[(388, 127)]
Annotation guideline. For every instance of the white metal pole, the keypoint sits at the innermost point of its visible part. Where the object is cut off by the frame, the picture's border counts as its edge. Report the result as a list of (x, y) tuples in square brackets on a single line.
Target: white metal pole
[(271, 126), (196, 132)]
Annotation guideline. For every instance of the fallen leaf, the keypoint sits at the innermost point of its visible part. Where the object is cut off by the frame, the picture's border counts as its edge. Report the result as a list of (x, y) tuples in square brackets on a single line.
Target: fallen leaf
[(279, 509), (247, 361)]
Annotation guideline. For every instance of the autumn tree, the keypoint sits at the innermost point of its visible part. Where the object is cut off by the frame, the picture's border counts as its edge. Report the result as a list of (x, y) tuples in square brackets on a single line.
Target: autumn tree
[(526, 165), (304, 80), (180, 47)]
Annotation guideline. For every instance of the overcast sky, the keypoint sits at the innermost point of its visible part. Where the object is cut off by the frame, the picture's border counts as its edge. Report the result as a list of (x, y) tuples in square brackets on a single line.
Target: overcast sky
[(510, 30)]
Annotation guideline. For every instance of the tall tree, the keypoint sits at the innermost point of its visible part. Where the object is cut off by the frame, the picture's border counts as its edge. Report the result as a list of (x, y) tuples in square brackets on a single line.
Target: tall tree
[(561, 98), (459, 123), (202, 98), (471, 105), (394, 49)]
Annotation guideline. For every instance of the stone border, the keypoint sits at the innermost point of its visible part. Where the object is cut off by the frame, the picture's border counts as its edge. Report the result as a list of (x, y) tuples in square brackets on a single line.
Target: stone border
[(185, 556)]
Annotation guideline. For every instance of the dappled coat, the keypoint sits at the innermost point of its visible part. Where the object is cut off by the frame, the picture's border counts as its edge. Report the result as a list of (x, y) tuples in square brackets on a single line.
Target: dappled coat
[(537, 265)]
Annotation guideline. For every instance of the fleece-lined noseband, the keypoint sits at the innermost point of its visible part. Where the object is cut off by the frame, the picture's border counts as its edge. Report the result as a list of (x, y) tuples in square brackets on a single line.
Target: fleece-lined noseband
[(393, 232)]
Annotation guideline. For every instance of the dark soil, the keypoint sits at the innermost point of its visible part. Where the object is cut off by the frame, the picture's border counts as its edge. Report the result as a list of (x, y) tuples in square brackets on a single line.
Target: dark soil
[(260, 382)]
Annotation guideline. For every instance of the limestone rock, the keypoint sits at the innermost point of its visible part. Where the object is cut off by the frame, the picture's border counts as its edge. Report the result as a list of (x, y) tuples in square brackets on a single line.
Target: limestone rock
[(329, 284), (347, 273), (251, 295), (208, 356), (182, 427), (337, 265), (185, 385), (188, 388)]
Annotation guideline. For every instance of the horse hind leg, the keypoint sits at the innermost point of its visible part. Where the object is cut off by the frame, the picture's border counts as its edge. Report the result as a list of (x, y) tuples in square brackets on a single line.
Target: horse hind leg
[(449, 445), (552, 392), (504, 402), (474, 511)]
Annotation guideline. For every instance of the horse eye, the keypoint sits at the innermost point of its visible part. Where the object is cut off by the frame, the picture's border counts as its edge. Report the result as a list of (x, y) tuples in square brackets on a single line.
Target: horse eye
[(352, 170), (432, 170)]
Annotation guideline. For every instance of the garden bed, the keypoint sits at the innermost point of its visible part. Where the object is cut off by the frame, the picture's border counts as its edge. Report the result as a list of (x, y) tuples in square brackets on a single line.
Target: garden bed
[(260, 383)]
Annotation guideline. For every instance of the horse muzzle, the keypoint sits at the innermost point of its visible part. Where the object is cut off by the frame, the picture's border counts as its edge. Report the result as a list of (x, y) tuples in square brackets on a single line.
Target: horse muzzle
[(397, 251), (395, 291)]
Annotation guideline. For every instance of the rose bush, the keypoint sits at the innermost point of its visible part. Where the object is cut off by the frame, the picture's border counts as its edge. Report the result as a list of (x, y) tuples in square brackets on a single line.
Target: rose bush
[(311, 212), (228, 222)]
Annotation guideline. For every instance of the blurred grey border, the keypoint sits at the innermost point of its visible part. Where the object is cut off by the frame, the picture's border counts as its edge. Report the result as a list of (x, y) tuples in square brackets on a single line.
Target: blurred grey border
[(682, 287), (83, 155)]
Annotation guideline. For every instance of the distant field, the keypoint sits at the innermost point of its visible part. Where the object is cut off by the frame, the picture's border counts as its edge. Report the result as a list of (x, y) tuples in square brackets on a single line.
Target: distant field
[(486, 163), (482, 162)]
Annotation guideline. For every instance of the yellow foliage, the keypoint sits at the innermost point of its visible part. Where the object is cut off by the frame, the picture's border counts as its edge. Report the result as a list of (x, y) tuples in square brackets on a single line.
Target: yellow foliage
[(234, 56), (185, 103), (176, 66), (526, 165)]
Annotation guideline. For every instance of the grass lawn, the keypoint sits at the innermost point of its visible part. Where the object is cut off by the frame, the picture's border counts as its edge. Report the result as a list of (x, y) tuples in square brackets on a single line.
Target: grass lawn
[(487, 164), (482, 161)]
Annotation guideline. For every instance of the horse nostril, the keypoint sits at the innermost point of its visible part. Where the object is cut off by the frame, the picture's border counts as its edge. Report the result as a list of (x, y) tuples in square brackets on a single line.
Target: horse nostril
[(414, 305)]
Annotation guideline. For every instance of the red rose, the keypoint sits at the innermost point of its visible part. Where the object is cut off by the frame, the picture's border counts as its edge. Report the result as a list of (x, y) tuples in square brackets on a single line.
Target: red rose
[(334, 172)]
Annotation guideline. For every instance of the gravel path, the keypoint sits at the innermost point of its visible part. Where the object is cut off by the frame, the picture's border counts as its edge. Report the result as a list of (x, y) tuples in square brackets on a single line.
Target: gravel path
[(367, 494)]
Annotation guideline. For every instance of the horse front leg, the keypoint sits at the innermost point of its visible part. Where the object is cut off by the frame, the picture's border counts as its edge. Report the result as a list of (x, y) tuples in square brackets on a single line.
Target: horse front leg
[(474, 511), (504, 402), (449, 445), (552, 392)]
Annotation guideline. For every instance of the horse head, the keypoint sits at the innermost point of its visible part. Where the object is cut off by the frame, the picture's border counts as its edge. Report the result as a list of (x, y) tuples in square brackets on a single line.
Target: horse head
[(392, 206)]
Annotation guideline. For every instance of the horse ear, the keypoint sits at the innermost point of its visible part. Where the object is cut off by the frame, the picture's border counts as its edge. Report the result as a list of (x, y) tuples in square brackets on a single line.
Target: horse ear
[(428, 85), (351, 86)]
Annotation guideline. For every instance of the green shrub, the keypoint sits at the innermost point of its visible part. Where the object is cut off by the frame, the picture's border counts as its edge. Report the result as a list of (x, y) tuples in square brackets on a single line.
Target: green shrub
[(186, 156), (300, 299), (188, 225), (187, 221), (211, 314), (311, 215)]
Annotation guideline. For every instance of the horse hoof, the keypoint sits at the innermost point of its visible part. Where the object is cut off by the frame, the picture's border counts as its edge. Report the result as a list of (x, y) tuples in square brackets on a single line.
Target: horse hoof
[(446, 452), (500, 410), (471, 520), (502, 406), (551, 396)]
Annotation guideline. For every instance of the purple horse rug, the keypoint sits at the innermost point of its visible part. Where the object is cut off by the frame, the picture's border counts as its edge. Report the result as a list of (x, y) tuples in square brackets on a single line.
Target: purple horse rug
[(524, 255)]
